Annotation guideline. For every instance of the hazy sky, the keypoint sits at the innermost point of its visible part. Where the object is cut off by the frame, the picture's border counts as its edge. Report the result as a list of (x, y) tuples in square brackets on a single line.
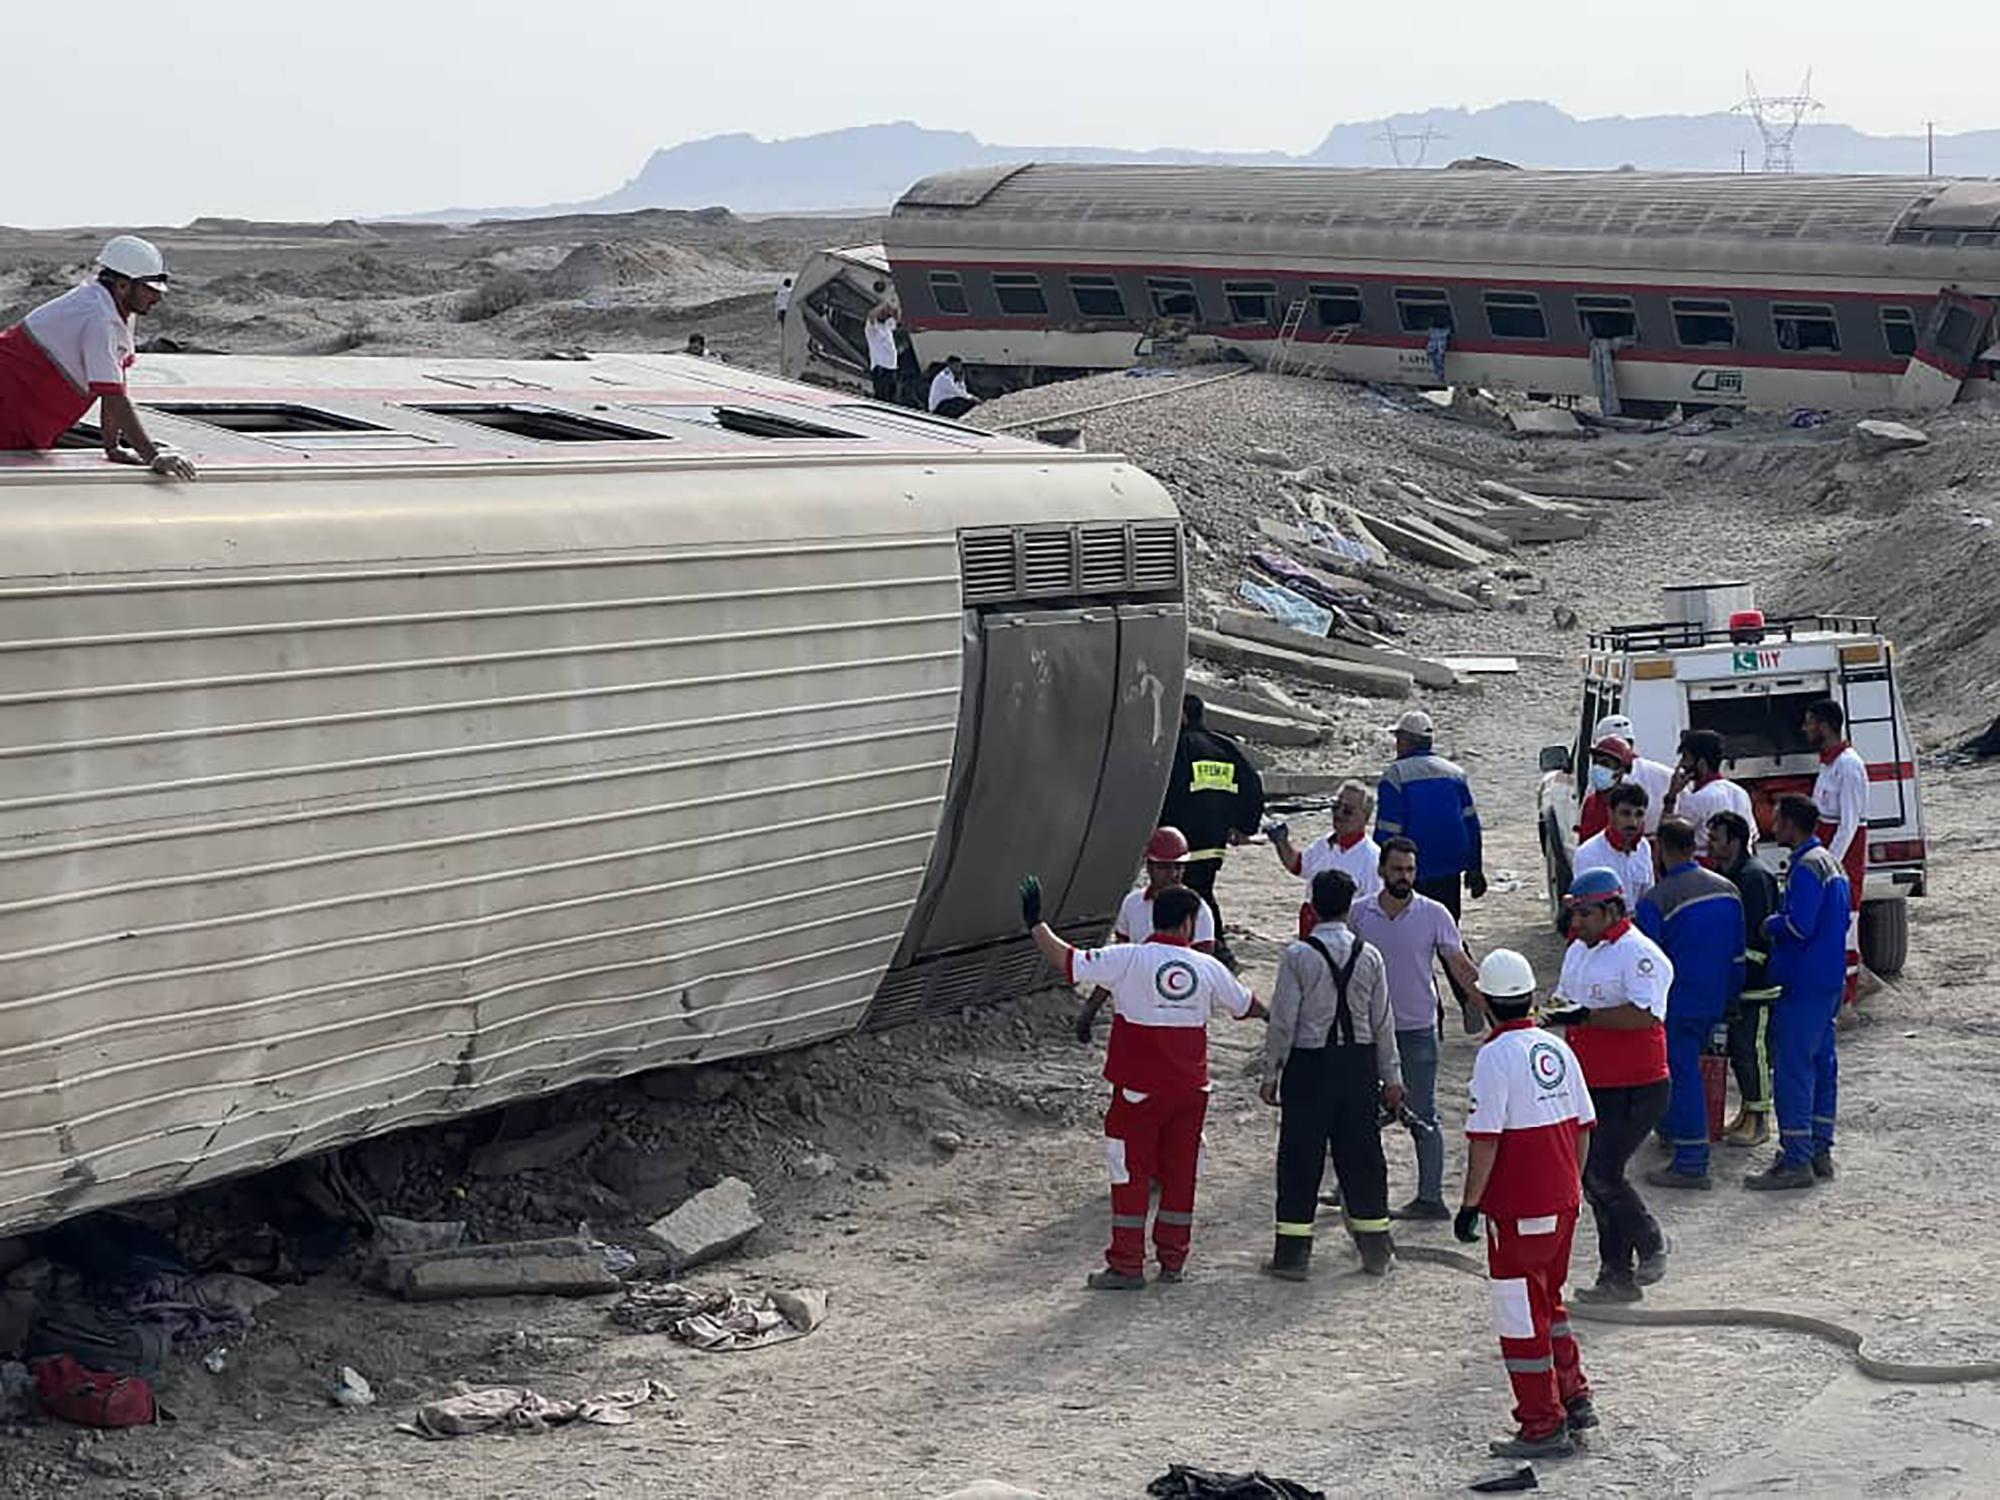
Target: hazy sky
[(141, 113)]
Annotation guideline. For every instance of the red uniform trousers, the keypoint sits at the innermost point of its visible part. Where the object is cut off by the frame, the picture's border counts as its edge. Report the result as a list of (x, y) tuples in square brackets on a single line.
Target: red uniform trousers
[(1856, 865), (1155, 1140), (1526, 1273)]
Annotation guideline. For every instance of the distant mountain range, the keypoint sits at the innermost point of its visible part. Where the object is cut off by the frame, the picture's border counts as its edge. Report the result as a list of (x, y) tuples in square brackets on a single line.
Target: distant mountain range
[(867, 167)]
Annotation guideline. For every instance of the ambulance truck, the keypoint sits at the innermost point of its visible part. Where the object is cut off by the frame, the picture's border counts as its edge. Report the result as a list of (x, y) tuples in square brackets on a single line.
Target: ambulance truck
[(1751, 681)]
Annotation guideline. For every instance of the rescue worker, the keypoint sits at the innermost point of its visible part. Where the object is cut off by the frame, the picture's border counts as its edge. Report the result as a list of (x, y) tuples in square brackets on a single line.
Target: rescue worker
[(75, 350), (1614, 986), (1699, 790), (1696, 918), (1413, 933), (1216, 798), (1749, 1022), (1330, 1064), (1840, 792), (1808, 962), (1157, 1065), (782, 300), (1626, 766), (1622, 847), (950, 396), (1424, 797), (1345, 847), (1530, 1125), (1166, 859), (879, 328)]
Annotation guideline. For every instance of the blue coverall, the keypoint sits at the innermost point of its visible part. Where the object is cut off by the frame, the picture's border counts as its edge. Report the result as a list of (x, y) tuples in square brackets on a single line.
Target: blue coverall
[(1696, 916), (1809, 962)]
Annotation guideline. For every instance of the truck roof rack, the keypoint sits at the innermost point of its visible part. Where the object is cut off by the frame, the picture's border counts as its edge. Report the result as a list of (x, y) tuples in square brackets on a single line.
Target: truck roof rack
[(1679, 635)]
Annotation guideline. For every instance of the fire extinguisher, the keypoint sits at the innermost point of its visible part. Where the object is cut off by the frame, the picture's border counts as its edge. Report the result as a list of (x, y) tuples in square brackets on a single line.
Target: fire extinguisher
[(1715, 1078)]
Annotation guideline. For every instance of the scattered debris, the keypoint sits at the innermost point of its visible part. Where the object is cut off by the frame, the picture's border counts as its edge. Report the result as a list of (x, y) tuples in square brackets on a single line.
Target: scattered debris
[(349, 1389), (1564, 617), (1271, 458), (1877, 435), (1283, 604), (948, 1142), (1483, 666), (518, 1409), (1250, 627), (1512, 1478), (1545, 421), (721, 1321), (711, 1223), (1267, 729), (1376, 682), (1184, 1482), (394, 1236), (539, 1152), (73, 1392), (565, 1267)]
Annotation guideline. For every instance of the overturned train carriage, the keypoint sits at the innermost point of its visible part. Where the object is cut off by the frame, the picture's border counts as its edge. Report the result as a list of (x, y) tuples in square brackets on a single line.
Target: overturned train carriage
[(471, 731), (1692, 289)]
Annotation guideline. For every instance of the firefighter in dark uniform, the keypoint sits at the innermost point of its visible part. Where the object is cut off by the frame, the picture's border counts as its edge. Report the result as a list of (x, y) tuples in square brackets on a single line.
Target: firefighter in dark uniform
[(1215, 797)]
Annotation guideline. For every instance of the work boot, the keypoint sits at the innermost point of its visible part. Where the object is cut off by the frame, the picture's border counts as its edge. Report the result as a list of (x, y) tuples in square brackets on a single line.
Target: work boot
[(1612, 1287), (1670, 1177), (1581, 1414), (1778, 1177), (1378, 1252), (1108, 1280), (1750, 1128), (1651, 1269), (1822, 1166), (1421, 1209), (1291, 1257), (1172, 1275), (1557, 1444)]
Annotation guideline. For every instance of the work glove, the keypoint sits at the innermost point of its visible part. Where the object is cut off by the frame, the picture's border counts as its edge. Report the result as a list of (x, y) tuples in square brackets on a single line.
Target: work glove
[(170, 465), (1574, 1015), (1276, 831), (1465, 1226), (1031, 900), (1475, 882), (1086, 1023)]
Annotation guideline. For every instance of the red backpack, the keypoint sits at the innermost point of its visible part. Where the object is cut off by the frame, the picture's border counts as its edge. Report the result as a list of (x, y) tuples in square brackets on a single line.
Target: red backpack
[(90, 1397)]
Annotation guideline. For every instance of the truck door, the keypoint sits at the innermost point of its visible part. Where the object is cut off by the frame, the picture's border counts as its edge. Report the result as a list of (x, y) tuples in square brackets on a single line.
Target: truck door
[(1868, 696), (1950, 345)]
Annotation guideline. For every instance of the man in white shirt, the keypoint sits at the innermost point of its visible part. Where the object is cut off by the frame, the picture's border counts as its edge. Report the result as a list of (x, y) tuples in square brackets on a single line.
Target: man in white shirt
[(1346, 847), (1166, 863), (1840, 792), (782, 300), (74, 351), (1699, 790), (950, 397), (1623, 847), (1650, 774), (880, 330)]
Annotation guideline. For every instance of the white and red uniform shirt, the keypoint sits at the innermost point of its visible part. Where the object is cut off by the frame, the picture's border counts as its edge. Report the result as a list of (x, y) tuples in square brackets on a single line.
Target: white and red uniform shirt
[(1841, 794), (1135, 921), (58, 360), (1655, 778), (1359, 856), (1626, 968), (1633, 867), (1703, 800), (1162, 993), (1528, 1093)]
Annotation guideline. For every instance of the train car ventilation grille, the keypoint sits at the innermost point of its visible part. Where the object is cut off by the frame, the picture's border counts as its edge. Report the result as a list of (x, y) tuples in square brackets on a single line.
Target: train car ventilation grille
[(1156, 556), (1048, 562), (986, 560), (1104, 566)]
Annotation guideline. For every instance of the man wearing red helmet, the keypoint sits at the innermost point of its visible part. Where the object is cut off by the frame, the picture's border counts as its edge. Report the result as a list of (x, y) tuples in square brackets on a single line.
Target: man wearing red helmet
[(1166, 859)]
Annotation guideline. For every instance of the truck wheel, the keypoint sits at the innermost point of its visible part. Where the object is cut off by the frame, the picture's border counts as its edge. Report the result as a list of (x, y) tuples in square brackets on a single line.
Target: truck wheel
[(1885, 935), (1557, 866)]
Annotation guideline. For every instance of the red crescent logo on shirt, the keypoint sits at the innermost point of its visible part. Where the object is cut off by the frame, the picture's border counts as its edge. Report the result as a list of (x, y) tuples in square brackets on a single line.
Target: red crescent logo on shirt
[(1176, 981), (1548, 1067)]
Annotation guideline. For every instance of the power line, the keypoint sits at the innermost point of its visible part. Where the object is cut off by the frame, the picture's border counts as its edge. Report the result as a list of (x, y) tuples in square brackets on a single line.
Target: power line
[(1778, 117), (1421, 140)]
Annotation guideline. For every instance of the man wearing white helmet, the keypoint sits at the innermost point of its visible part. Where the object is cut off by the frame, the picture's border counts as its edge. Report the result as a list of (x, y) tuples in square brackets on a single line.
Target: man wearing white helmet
[(1649, 774), (73, 352)]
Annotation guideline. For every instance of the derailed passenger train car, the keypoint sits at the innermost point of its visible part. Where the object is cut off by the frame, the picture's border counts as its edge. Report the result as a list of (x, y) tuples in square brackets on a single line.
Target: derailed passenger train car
[(1689, 289), (472, 730)]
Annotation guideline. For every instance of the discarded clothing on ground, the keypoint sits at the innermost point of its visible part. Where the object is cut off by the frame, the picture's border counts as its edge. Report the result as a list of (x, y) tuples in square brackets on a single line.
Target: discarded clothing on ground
[(1181, 1482), (513, 1408), (93, 1398), (720, 1320), (198, 1310)]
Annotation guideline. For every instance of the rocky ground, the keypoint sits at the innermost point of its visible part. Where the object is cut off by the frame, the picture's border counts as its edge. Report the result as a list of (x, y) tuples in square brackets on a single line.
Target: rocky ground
[(945, 1182)]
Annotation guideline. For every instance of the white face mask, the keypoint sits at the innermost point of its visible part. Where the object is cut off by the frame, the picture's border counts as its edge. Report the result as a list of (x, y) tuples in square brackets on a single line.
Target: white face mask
[(1601, 778)]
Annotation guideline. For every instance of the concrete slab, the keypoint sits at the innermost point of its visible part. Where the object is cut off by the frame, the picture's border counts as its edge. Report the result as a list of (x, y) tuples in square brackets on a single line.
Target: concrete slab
[(710, 1224), (1374, 682), (548, 1148)]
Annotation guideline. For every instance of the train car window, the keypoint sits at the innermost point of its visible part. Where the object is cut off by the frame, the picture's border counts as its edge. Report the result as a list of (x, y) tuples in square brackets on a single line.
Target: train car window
[(1516, 315), (1097, 296), (948, 292), (1020, 293), (1605, 317), (1421, 308), (1701, 324), (1807, 327), (1173, 297), (748, 421), (542, 424), (1251, 301), (260, 417), (1336, 306), (1899, 331)]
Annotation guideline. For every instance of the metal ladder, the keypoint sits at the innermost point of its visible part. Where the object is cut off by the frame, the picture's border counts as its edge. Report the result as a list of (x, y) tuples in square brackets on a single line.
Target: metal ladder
[(1288, 337)]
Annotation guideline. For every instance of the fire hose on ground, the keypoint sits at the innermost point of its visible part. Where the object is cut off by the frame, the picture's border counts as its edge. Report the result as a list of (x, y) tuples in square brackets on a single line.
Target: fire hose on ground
[(1875, 1368)]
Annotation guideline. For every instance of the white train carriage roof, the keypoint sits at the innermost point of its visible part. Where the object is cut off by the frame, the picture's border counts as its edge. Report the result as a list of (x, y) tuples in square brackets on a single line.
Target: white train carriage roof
[(1936, 226), (314, 415)]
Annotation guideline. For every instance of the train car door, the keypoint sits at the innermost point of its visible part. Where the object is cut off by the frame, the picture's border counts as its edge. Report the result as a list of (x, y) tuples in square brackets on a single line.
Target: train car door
[(1950, 344)]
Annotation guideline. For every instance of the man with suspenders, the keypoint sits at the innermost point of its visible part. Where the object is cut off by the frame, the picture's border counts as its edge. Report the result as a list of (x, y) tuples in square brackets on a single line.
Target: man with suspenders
[(1329, 1061)]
